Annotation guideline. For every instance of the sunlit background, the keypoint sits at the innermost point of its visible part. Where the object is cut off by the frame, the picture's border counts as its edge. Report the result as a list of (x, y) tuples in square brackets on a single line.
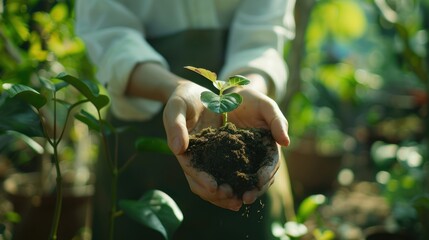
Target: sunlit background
[(357, 106)]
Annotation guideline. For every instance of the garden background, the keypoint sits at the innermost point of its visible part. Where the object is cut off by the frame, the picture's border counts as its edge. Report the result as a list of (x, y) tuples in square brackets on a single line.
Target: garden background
[(357, 106)]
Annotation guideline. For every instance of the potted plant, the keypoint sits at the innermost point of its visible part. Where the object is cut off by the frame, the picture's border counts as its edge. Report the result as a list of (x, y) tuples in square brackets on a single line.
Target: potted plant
[(230, 154), (33, 194), (51, 209)]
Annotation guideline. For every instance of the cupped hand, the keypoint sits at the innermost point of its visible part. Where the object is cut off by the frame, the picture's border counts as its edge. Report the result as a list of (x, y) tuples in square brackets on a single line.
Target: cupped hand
[(260, 111), (184, 114)]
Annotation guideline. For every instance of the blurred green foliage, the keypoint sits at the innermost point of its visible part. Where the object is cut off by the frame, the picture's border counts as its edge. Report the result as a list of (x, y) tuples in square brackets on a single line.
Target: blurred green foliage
[(360, 70), (363, 76), (37, 40)]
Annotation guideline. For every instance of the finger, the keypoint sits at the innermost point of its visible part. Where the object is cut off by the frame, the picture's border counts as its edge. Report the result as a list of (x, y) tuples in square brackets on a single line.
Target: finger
[(230, 204), (174, 118), (265, 179), (277, 122), (225, 191), (251, 196), (223, 200), (203, 179), (267, 172), (279, 129)]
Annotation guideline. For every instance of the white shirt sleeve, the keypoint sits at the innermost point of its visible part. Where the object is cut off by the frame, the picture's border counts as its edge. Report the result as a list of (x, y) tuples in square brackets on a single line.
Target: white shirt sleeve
[(257, 37), (114, 32), (114, 39)]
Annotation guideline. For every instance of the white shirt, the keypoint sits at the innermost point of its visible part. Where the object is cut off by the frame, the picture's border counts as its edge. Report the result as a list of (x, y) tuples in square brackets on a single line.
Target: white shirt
[(114, 32)]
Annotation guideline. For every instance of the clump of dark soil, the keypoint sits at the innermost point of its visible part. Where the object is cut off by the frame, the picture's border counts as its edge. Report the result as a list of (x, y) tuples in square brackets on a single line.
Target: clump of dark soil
[(232, 155)]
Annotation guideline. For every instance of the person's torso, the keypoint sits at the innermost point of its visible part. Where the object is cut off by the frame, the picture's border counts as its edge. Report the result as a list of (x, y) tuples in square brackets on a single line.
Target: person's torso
[(166, 17)]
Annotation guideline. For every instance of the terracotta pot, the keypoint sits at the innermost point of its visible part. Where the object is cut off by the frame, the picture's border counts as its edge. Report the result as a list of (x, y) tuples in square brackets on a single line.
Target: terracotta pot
[(310, 171), (37, 210)]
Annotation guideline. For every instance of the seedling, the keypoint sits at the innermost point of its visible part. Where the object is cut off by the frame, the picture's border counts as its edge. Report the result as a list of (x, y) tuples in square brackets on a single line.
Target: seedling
[(221, 103)]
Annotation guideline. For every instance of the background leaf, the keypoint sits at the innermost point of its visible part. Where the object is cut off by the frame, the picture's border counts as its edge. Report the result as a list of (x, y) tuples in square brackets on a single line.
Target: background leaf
[(155, 210), (17, 115), (93, 123), (25, 93), (309, 206), (157, 145), (29, 141), (89, 89)]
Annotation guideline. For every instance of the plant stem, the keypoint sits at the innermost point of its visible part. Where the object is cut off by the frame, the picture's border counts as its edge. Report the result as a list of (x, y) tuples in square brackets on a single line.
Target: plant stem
[(224, 118), (113, 163), (59, 200), (113, 213), (127, 163)]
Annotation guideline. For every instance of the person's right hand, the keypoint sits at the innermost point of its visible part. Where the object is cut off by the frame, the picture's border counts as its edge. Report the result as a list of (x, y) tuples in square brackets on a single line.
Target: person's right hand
[(184, 114)]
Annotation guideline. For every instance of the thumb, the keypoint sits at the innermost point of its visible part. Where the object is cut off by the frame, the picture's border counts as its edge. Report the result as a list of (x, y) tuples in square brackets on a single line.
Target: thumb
[(175, 125), (279, 129)]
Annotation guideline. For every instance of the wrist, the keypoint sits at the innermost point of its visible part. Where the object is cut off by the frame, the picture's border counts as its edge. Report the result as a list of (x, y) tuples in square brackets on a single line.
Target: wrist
[(152, 81)]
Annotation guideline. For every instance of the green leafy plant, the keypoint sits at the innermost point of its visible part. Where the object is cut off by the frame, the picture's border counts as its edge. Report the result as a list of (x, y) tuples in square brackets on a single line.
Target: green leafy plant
[(155, 209), (296, 228), (221, 103), (402, 177), (54, 137)]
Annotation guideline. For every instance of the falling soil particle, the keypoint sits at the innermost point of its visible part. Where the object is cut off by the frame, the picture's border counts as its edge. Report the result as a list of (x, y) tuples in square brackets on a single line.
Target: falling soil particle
[(232, 155)]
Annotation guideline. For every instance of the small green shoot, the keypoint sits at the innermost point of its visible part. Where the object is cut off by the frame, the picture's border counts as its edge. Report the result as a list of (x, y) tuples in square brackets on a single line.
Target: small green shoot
[(221, 103)]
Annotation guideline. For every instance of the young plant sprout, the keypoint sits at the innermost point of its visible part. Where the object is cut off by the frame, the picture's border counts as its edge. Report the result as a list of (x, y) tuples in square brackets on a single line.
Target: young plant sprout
[(221, 103)]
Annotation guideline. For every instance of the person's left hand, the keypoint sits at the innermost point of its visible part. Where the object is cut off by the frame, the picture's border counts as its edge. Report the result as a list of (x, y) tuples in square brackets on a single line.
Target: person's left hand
[(260, 111)]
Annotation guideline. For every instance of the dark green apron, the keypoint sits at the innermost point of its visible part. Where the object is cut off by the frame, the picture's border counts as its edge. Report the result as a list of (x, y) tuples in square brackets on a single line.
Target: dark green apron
[(202, 220)]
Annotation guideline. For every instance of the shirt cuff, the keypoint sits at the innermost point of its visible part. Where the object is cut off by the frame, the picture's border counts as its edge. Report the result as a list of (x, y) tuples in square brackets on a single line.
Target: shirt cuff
[(115, 70), (134, 109)]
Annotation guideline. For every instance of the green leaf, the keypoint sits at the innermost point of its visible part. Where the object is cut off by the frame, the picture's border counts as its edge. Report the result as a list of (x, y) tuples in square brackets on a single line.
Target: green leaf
[(204, 72), (221, 104), (235, 81), (13, 217), (29, 141), (324, 234), (238, 80), (47, 84), (59, 12), (20, 26), (25, 93), (309, 206), (88, 88), (155, 210), (157, 145), (93, 123), (17, 115)]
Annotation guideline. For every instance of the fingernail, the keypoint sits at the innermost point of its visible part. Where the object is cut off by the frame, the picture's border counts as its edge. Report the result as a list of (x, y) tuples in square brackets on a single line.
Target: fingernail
[(251, 201), (236, 208)]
